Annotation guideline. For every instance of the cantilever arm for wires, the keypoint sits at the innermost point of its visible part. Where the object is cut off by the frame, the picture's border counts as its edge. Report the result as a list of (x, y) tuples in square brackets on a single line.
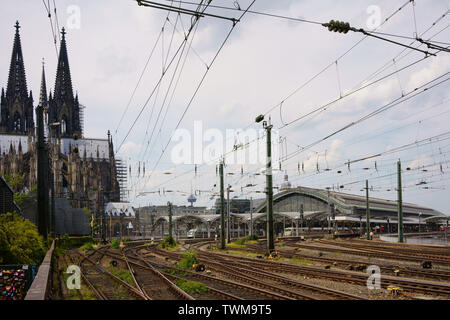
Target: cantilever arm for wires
[(161, 6), (344, 27), (433, 46), (392, 41)]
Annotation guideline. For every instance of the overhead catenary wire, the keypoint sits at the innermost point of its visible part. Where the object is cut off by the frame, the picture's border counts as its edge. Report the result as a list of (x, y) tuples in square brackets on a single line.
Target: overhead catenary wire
[(179, 49), (350, 93), (195, 13), (142, 74), (406, 147), (303, 85), (407, 96), (49, 14), (254, 12), (333, 62), (329, 65), (200, 84), (167, 92)]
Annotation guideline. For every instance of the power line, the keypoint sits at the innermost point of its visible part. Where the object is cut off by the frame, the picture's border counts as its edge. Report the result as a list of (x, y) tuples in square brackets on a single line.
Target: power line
[(199, 85), (167, 92), (327, 105), (48, 9), (335, 60), (195, 13), (331, 63), (141, 76), (324, 69), (254, 12), (181, 47), (411, 94)]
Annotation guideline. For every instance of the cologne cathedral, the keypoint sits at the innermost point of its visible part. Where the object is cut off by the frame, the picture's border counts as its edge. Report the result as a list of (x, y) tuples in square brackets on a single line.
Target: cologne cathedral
[(82, 170)]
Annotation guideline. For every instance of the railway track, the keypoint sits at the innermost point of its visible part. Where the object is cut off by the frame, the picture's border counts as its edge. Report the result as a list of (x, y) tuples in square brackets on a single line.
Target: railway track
[(408, 285), (400, 253), (439, 252), (426, 248), (269, 281), (104, 284), (152, 283), (430, 274), (222, 289), (374, 254)]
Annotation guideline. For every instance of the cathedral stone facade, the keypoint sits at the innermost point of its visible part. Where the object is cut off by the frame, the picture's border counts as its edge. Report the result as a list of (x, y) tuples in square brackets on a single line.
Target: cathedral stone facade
[(82, 170)]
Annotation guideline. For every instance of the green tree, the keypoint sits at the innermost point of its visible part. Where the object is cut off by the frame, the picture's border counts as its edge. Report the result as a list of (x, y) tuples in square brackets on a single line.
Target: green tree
[(20, 242), (26, 198), (22, 196), (87, 212), (16, 181)]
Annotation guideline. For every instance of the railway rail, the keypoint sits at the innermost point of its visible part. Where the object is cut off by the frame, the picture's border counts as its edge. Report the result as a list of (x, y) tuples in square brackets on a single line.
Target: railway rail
[(99, 280), (415, 286), (244, 273), (216, 286), (389, 269), (375, 254), (400, 252), (438, 251), (408, 285), (153, 283)]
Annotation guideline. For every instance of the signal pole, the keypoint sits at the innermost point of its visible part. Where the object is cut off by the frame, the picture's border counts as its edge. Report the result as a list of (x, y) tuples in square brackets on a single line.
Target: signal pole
[(269, 187), (170, 219), (222, 209), (270, 240), (302, 217), (329, 211), (228, 215), (367, 211), (251, 218), (400, 203)]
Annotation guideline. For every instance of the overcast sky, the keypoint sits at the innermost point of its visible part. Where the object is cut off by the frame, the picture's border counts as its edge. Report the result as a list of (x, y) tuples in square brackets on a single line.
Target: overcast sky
[(264, 60)]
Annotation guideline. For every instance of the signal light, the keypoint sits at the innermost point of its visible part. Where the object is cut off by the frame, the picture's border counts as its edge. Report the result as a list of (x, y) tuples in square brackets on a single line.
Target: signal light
[(338, 26)]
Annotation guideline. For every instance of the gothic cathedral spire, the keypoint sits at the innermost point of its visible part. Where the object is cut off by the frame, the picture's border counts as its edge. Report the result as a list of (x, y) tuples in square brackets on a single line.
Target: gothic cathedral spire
[(63, 106), (17, 104), (43, 101), (17, 82), (63, 85)]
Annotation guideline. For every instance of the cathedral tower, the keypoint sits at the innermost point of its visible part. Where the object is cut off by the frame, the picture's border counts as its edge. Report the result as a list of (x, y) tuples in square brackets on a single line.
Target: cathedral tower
[(63, 106), (16, 104)]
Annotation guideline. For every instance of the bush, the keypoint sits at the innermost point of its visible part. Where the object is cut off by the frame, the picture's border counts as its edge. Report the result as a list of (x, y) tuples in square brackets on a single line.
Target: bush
[(115, 244), (126, 240), (175, 272), (123, 275), (191, 286), (67, 242), (240, 241), (87, 246), (189, 259), (20, 242), (250, 238), (168, 242)]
